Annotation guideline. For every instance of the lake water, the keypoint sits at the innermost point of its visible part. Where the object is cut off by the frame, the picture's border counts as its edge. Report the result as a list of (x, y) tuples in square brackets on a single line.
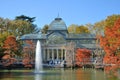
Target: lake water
[(56, 74)]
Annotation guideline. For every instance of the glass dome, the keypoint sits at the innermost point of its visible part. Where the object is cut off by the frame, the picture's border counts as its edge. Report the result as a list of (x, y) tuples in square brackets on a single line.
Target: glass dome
[(57, 24)]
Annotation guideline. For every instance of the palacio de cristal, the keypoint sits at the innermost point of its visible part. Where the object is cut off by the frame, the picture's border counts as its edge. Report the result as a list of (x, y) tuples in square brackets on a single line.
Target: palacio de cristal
[(58, 44)]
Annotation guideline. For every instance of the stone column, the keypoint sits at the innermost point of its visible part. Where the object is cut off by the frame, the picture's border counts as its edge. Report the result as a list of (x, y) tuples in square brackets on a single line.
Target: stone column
[(62, 54), (48, 54), (65, 55), (52, 54), (44, 54), (57, 53)]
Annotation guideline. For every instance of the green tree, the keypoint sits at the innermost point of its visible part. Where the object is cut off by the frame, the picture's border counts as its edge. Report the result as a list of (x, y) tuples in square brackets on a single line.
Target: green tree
[(3, 37), (78, 29), (19, 27), (32, 27), (110, 20), (44, 29), (100, 26), (82, 29), (25, 18), (4, 25), (90, 27), (72, 28)]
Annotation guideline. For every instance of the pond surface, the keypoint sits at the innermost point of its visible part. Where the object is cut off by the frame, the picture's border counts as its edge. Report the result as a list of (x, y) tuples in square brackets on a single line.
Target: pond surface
[(56, 74)]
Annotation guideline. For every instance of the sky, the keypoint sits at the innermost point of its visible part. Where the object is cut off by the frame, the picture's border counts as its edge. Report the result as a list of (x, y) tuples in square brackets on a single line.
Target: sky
[(78, 12)]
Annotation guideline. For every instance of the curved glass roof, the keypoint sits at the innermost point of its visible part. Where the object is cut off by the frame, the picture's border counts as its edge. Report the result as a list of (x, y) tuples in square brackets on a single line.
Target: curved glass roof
[(33, 36), (57, 24), (83, 35), (56, 38)]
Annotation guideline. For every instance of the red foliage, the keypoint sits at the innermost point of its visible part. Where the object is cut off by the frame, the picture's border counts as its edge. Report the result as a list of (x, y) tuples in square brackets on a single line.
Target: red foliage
[(26, 61), (111, 45), (8, 60), (30, 46), (28, 55), (82, 56), (10, 46)]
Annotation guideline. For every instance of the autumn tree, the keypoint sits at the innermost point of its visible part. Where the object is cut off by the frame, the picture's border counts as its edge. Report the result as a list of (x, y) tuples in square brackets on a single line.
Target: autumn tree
[(82, 56), (99, 27), (72, 28), (10, 45), (19, 26), (82, 29), (78, 29), (110, 20), (10, 50), (111, 45), (44, 29), (28, 53)]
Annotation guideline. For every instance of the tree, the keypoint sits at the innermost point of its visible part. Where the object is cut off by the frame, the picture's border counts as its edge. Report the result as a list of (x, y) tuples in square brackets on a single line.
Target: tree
[(110, 20), (28, 53), (32, 28), (72, 28), (18, 27), (82, 29), (2, 38), (10, 48), (25, 18), (90, 27), (99, 27), (110, 42), (78, 29), (82, 56), (45, 28), (4, 25), (10, 45)]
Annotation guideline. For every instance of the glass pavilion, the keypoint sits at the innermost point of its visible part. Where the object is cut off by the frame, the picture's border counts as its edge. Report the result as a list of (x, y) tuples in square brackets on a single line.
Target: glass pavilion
[(58, 44)]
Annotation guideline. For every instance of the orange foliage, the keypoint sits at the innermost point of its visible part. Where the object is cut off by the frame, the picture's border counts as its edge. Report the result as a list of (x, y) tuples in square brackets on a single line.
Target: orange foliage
[(26, 61), (5, 57), (30, 46), (28, 55), (10, 44), (7, 60), (111, 45), (82, 56)]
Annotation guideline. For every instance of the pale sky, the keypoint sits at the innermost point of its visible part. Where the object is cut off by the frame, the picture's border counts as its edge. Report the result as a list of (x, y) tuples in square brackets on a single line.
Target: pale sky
[(71, 11)]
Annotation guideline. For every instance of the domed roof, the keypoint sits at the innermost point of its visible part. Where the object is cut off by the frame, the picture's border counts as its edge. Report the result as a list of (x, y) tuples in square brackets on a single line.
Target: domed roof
[(57, 24)]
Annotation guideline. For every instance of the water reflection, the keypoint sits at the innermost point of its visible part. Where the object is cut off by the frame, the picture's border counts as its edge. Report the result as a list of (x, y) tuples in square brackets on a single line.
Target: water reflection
[(57, 74), (38, 77)]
